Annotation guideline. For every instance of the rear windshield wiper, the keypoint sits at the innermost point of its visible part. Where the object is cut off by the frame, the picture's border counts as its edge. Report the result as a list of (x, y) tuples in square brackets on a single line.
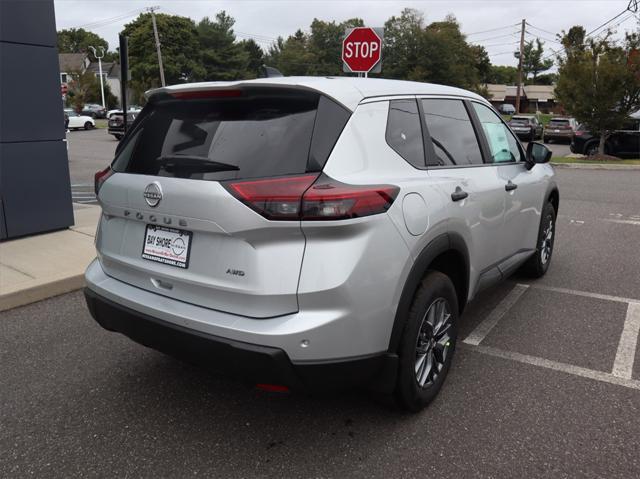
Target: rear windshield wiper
[(193, 164)]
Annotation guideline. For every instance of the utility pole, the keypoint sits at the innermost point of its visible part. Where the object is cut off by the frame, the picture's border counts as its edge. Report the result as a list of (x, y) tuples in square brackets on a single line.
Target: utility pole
[(93, 49), (152, 10), (524, 22)]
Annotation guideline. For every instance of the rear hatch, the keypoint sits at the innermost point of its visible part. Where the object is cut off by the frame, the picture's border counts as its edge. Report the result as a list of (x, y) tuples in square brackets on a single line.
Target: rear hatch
[(172, 226), (559, 124)]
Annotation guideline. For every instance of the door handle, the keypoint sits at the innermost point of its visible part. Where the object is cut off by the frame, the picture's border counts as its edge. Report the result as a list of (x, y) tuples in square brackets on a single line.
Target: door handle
[(459, 194), (510, 186)]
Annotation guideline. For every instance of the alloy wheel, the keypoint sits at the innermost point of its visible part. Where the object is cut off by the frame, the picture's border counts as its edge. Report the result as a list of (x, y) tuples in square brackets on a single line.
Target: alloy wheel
[(547, 243), (434, 343)]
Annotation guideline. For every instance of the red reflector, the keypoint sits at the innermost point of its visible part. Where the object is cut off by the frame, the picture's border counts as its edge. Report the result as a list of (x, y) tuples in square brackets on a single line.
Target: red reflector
[(578, 133), (273, 388), (187, 95), (100, 177), (312, 198)]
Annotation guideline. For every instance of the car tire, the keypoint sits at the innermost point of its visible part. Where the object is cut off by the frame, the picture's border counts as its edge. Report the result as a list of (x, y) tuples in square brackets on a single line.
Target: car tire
[(428, 342), (118, 137), (88, 125), (538, 264), (545, 140), (532, 136)]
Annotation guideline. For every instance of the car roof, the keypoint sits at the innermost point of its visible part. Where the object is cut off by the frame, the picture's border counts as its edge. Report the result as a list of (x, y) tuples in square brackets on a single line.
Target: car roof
[(349, 91)]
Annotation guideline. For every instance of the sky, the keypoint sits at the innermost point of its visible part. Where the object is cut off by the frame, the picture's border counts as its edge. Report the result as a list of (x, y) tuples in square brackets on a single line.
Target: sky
[(264, 20)]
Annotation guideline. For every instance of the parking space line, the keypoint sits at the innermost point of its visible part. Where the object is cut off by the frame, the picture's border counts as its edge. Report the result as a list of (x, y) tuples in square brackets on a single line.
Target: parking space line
[(556, 366), (623, 365), (485, 327), (586, 294), (624, 222)]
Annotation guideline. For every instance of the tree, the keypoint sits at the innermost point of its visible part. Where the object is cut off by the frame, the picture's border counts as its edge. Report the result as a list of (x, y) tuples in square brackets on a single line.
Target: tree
[(532, 59), (325, 45), (78, 40), (446, 58), (596, 82), (503, 75), (255, 57), (292, 56), (80, 87), (402, 43), (180, 51), (221, 57)]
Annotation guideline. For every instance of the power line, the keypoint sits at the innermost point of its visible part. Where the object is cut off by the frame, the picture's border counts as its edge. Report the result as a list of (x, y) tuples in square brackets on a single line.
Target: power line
[(492, 30), (108, 21), (541, 29), (513, 34)]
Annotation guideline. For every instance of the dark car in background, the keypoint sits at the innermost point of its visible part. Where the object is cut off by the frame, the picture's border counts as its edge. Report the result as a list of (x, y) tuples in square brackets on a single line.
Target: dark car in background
[(560, 129), (507, 109), (526, 127), (624, 142), (115, 126), (94, 110)]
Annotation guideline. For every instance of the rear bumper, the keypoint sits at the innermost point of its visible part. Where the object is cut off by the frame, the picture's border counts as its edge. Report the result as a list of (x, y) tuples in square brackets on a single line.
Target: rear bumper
[(255, 363), (558, 136)]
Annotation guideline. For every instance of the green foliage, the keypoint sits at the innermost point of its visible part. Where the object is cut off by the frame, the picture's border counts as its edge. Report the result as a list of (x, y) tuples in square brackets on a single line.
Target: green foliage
[(316, 53), (180, 51), (503, 75), (596, 82), (255, 57), (533, 61), (78, 40), (221, 57), (94, 96), (81, 87)]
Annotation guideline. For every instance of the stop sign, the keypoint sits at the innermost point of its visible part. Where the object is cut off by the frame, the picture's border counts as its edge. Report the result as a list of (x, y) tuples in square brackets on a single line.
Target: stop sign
[(361, 49)]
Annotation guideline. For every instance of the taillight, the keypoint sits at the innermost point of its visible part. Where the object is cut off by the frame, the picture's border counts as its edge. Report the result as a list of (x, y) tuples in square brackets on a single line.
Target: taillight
[(312, 198), (328, 199), (100, 177), (578, 133)]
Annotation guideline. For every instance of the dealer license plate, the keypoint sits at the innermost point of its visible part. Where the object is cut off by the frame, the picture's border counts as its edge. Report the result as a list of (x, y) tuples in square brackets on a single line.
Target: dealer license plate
[(167, 245)]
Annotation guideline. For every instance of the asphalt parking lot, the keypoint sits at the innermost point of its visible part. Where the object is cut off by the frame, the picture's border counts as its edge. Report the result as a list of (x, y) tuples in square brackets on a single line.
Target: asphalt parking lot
[(545, 383)]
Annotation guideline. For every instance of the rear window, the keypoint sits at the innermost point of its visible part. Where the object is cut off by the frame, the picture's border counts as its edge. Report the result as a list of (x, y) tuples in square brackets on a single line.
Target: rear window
[(559, 122), (257, 134)]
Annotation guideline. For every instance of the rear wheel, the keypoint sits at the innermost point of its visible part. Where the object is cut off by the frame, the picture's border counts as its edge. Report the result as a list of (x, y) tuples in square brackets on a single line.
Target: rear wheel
[(118, 137), (88, 125), (428, 342), (538, 264)]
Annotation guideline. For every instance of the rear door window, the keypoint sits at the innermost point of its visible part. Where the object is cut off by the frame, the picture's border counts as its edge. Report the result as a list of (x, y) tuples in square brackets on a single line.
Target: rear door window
[(257, 134), (451, 132), (404, 131), (503, 146)]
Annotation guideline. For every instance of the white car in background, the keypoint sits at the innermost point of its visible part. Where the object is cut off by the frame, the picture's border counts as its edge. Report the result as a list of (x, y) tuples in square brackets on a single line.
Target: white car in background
[(77, 121)]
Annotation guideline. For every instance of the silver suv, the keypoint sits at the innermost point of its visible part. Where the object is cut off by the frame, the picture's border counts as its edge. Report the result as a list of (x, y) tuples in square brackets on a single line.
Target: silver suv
[(315, 232)]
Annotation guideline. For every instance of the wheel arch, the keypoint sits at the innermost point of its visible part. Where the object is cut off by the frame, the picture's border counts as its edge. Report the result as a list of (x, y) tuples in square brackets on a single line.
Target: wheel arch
[(446, 253), (554, 197)]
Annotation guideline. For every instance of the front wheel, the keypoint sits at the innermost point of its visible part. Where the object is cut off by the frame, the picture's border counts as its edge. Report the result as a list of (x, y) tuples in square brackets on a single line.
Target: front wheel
[(118, 137), (538, 264), (88, 125), (428, 342)]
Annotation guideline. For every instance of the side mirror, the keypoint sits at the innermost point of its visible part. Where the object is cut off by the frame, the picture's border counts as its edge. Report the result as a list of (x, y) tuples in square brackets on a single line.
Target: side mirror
[(537, 153)]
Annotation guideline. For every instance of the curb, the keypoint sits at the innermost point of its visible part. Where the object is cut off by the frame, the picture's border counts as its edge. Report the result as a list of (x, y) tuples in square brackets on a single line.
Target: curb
[(586, 166), (41, 291)]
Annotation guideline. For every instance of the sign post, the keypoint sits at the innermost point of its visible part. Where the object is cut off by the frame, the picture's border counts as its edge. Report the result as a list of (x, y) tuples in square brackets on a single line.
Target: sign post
[(362, 50)]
